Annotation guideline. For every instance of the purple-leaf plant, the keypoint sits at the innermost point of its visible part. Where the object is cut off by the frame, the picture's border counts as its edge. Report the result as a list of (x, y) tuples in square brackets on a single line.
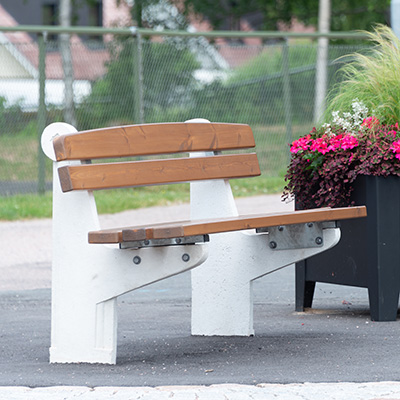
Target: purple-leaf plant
[(326, 162)]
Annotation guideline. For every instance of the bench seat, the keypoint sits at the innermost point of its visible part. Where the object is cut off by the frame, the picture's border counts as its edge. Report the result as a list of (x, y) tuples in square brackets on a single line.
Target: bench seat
[(218, 225)]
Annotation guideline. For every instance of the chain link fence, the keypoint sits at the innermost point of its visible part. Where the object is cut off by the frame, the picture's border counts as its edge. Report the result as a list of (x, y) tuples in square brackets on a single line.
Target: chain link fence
[(117, 80)]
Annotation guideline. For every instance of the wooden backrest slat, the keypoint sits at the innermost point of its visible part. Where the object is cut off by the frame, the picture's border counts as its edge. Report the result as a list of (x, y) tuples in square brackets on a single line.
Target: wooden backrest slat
[(152, 139), (153, 172)]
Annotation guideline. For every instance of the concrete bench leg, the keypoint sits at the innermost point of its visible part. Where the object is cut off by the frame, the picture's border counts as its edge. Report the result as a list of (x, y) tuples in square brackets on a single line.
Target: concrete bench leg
[(83, 331), (84, 295), (83, 324), (222, 302), (222, 287), (87, 279)]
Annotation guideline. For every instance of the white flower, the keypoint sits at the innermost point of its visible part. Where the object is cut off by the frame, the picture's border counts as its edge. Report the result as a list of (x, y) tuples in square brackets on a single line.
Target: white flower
[(351, 122)]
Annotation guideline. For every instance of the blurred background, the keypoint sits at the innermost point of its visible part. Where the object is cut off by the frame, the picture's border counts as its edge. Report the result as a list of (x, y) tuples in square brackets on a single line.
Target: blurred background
[(103, 63)]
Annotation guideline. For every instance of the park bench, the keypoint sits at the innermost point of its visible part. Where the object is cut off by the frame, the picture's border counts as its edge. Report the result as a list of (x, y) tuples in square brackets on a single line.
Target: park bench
[(93, 266)]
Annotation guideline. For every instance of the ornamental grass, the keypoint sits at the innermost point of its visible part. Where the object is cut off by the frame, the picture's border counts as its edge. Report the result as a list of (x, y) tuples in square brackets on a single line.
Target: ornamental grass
[(373, 77)]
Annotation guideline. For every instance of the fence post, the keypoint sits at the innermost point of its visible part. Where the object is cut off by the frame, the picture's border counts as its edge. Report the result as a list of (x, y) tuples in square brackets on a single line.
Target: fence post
[(138, 77), (287, 97), (41, 120), (321, 74)]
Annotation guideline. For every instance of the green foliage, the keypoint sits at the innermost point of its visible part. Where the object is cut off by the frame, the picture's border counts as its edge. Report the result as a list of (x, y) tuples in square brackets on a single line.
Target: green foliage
[(220, 12), (372, 77), (114, 98), (359, 14), (346, 14), (255, 92)]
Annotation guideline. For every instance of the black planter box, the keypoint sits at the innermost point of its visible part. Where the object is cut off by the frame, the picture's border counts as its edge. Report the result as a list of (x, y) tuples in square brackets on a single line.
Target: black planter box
[(368, 254)]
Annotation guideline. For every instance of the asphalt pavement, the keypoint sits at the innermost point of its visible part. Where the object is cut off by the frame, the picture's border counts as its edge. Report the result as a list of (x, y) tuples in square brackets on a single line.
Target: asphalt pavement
[(333, 351)]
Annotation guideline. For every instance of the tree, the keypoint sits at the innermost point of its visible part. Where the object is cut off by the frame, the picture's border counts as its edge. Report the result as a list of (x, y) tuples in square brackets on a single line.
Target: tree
[(113, 99), (223, 14), (346, 14)]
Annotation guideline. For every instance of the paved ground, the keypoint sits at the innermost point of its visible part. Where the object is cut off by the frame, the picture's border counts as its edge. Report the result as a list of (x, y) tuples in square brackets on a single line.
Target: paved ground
[(331, 352)]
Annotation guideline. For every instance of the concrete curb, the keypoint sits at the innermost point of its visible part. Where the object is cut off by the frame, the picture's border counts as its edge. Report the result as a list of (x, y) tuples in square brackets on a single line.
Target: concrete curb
[(326, 391)]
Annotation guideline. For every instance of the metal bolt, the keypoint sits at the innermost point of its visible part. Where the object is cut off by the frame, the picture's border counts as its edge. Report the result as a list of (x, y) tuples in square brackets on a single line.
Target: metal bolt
[(178, 240), (137, 260), (185, 257), (310, 224), (318, 240), (147, 242), (280, 228), (272, 245)]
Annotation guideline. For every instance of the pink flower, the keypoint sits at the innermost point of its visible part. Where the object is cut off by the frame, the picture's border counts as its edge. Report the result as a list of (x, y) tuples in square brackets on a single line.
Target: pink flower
[(300, 144), (370, 122), (349, 142), (321, 145), (395, 147), (344, 142), (336, 142)]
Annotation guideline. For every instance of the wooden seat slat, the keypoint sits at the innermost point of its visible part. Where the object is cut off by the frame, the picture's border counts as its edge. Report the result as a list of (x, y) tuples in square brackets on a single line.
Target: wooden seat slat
[(242, 222), (152, 139), (115, 235), (154, 172), (259, 221)]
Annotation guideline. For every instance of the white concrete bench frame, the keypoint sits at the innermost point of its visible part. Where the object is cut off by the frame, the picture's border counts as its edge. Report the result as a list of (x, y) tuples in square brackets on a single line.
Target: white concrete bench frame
[(87, 278)]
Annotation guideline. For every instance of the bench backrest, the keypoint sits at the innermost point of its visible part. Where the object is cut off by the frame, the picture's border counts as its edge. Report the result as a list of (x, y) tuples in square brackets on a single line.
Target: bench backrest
[(149, 140)]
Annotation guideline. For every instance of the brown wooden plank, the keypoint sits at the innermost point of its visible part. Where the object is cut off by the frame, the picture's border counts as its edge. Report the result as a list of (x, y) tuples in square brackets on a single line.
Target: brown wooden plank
[(189, 228), (125, 234), (243, 222), (108, 236), (148, 139), (153, 172)]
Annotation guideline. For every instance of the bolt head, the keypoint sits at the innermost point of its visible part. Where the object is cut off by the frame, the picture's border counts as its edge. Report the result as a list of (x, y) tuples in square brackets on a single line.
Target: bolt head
[(137, 260)]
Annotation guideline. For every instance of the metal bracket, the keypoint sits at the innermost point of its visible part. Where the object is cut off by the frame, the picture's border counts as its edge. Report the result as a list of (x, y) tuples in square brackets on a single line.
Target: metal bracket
[(298, 236), (164, 242)]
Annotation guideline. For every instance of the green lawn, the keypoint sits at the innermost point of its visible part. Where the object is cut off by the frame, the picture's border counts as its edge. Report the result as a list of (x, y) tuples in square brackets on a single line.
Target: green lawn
[(113, 201)]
